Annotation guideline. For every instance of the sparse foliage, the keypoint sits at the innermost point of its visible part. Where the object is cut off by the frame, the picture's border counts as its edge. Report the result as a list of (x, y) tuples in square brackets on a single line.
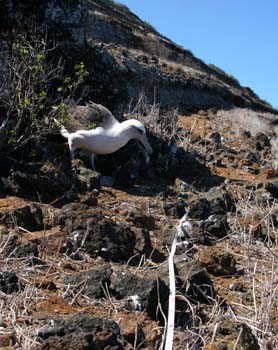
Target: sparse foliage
[(163, 124), (33, 83)]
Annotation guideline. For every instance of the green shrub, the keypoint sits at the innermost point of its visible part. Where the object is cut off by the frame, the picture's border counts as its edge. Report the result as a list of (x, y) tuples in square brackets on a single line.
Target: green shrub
[(33, 84)]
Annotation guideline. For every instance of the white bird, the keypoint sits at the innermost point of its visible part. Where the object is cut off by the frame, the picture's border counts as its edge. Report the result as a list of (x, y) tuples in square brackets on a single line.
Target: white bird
[(108, 138)]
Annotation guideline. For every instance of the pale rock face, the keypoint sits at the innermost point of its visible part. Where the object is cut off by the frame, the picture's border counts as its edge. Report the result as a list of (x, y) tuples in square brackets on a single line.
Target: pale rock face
[(64, 22)]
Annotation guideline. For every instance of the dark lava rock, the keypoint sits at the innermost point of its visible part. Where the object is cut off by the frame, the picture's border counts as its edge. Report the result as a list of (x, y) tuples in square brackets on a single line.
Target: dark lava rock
[(200, 210), (74, 216), (29, 217), (247, 134), (17, 248), (48, 180), (67, 197), (87, 179), (193, 171), (82, 332), (193, 281), (64, 23), (141, 219), (151, 288), (218, 263), (8, 282), (247, 340), (8, 165), (7, 186), (180, 164), (99, 236), (71, 341), (116, 242), (89, 199), (216, 137), (197, 234), (221, 200), (253, 156), (174, 209), (262, 141), (148, 289), (166, 165), (208, 218), (272, 188), (128, 174), (93, 282), (216, 226)]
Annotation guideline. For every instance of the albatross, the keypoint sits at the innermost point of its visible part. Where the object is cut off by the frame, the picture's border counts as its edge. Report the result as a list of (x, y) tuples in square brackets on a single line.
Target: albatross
[(107, 138)]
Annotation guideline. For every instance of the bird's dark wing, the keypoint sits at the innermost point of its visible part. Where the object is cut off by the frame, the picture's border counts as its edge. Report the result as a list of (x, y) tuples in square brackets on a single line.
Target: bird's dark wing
[(86, 117), (102, 116), (90, 116)]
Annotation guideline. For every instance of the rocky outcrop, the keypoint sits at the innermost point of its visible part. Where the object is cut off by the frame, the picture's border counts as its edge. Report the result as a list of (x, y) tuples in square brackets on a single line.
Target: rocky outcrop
[(63, 21), (143, 60), (126, 56), (82, 332)]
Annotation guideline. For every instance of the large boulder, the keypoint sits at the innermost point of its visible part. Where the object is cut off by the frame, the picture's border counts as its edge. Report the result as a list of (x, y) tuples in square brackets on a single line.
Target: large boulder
[(96, 235), (29, 217), (81, 332)]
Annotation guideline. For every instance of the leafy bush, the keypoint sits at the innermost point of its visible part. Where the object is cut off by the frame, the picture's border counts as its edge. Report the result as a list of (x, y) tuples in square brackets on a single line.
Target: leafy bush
[(33, 83)]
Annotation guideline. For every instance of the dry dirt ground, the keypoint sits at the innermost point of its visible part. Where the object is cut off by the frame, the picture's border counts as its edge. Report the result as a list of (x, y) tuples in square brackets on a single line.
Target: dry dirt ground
[(47, 265)]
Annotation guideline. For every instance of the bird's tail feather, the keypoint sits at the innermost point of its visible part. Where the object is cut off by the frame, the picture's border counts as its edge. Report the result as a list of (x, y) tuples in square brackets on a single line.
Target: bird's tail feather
[(64, 132)]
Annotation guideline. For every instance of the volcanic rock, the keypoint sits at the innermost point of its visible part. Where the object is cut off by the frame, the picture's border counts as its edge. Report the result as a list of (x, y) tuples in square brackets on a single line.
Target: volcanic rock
[(9, 282), (81, 332)]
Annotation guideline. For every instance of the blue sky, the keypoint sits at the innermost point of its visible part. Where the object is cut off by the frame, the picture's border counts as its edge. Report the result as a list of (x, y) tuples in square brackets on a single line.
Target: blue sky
[(239, 36)]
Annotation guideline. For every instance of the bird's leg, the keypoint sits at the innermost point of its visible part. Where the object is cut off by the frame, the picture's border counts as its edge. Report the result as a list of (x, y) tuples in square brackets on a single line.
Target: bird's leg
[(72, 153), (93, 156), (71, 149)]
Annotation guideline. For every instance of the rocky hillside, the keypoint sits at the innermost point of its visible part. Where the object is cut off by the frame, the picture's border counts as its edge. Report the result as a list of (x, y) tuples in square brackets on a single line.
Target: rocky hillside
[(84, 254), (149, 62), (85, 265), (127, 57)]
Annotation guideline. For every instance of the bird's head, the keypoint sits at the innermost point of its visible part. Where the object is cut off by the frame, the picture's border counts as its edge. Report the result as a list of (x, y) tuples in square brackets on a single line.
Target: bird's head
[(138, 132)]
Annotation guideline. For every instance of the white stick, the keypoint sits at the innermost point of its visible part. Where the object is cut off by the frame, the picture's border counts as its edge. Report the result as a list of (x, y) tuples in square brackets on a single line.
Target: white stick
[(172, 286)]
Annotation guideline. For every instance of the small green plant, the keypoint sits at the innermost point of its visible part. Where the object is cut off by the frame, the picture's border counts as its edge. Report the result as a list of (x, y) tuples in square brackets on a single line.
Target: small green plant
[(92, 126)]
